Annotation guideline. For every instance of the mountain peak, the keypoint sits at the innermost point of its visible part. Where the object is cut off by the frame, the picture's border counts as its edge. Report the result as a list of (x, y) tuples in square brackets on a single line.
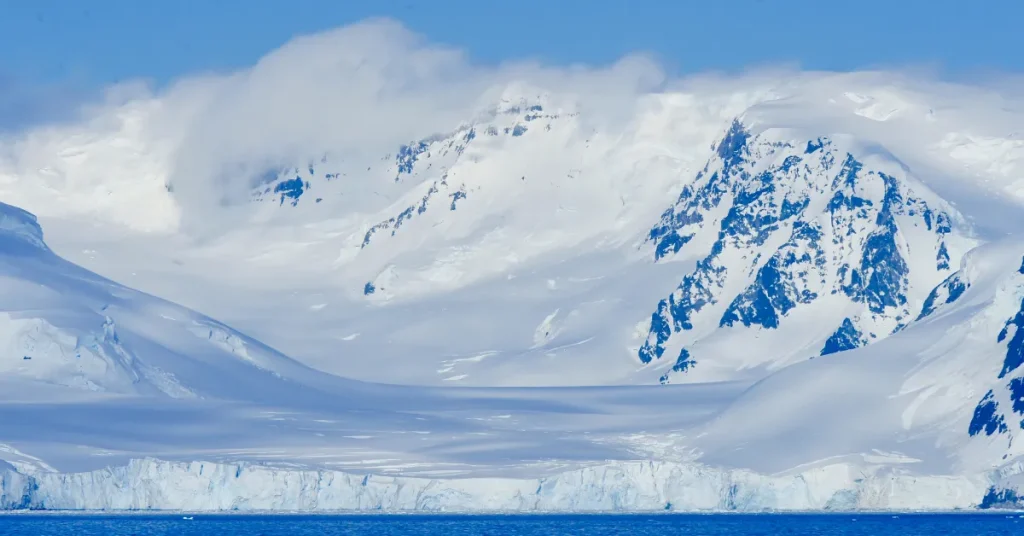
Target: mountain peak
[(781, 227), (19, 227)]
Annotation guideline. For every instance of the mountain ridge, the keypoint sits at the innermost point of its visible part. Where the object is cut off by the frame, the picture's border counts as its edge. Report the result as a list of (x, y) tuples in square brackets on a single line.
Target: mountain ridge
[(823, 196), (822, 279)]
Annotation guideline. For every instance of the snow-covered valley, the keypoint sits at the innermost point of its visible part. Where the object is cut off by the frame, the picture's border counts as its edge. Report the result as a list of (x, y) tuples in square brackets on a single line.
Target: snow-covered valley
[(768, 293)]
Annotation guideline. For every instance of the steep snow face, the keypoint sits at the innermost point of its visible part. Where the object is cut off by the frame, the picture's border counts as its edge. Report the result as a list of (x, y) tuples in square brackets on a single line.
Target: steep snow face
[(62, 325), (976, 355), (971, 344), (36, 349), (799, 248), (938, 396), (20, 231), (998, 417)]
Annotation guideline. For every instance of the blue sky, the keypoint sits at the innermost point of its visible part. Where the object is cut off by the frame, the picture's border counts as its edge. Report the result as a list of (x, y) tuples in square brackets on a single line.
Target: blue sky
[(54, 50)]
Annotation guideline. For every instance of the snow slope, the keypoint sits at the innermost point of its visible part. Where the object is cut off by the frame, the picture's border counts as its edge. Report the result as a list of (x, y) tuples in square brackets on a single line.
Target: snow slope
[(543, 274), (924, 392), (783, 232), (238, 400), (65, 326), (825, 270), (98, 374)]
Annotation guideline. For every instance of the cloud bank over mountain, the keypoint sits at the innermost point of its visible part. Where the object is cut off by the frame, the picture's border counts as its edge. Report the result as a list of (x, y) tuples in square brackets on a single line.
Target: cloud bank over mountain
[(822, 265), (360, 91)]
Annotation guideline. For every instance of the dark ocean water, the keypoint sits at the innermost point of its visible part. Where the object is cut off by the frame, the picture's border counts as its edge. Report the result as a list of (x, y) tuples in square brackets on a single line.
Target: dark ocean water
[(590, 525)]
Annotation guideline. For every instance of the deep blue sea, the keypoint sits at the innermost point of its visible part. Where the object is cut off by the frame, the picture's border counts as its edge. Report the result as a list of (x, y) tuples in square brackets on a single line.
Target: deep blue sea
[(590, 525)]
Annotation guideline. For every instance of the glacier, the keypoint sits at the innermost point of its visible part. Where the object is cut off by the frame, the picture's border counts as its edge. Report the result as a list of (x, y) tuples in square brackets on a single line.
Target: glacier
[(624, 487), (517, 293)]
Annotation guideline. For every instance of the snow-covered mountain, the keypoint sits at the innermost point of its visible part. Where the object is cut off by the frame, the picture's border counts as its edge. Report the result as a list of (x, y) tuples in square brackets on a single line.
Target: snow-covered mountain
[(65, 326), (941, 390), (96, 373), (795, 294), (784, 232)]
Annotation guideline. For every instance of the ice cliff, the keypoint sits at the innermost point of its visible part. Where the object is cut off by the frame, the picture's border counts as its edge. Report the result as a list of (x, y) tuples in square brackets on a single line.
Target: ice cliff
[(151, 484)]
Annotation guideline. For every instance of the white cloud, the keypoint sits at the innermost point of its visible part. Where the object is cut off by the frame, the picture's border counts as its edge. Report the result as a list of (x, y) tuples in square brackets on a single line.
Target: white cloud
[(359, 92)]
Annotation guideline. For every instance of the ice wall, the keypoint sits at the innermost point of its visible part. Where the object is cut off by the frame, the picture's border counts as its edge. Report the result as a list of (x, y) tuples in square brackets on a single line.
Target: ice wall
[(151, 484)]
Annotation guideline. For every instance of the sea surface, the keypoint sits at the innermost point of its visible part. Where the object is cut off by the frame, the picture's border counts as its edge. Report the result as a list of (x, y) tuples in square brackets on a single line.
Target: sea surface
[(455, 525)]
